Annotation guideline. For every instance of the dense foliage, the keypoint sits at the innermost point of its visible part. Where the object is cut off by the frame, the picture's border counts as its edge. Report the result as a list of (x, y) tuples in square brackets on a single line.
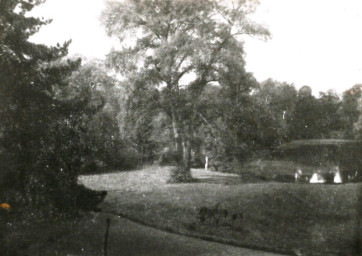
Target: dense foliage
[(188, 94), (185, 95), (41, 132), (180, 47)]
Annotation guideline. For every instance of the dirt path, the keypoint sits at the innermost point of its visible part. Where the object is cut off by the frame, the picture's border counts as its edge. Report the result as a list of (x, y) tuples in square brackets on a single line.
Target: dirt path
[(129, 238)]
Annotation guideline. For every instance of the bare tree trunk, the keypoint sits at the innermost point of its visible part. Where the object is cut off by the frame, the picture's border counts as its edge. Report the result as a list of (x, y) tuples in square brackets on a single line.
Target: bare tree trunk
[(177, 137), (182, 172), (186, 145), (186, 156)]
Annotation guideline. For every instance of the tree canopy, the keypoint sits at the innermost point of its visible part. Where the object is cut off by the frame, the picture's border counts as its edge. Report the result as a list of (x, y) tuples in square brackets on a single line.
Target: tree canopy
[(179, 47)]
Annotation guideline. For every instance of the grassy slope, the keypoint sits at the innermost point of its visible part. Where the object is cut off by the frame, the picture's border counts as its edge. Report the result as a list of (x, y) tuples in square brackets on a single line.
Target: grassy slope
[(319, 219)]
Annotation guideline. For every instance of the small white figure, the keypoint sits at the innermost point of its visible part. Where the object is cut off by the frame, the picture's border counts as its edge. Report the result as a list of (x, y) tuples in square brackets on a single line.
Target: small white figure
[(317, 178), (337, 176), (298, 175), (206, 163)]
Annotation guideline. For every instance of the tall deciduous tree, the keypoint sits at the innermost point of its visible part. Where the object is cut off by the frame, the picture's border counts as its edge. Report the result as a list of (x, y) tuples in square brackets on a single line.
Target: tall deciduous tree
[(348, 109), (141, 107), (329, 123), (95, 97), (305, 116), (180, 46), (277, 101)]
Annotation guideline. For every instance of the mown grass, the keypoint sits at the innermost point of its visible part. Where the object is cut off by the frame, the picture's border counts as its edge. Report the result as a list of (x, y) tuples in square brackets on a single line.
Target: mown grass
[(285, 217), (81, 235)]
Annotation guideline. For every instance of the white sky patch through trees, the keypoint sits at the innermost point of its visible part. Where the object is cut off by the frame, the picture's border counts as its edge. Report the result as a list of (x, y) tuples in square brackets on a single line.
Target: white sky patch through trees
[(314, 42)]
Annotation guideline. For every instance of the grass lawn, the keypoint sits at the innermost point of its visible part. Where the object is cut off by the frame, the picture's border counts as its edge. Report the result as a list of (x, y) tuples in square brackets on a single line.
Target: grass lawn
[(84, 236), (77, 236), (285, 217)]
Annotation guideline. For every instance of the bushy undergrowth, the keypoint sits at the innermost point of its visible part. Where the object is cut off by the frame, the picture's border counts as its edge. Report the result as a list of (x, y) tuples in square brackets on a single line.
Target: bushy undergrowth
[(179, 175), (48, 228), (42, 205), (124, 161)]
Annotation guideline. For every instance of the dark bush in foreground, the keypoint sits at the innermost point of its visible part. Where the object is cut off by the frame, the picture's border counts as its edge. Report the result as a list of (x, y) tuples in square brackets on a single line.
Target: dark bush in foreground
[(87, 199)]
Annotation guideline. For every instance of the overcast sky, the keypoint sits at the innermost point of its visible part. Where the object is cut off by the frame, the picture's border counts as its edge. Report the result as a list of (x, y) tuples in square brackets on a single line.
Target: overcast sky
[(314, 42)]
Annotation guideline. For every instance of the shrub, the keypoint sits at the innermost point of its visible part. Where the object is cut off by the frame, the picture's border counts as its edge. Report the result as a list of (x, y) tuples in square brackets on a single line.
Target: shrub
[(178, 175)]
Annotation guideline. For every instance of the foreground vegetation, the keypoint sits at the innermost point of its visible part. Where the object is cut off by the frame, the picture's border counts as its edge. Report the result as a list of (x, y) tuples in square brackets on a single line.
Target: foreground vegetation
[(284, 217)]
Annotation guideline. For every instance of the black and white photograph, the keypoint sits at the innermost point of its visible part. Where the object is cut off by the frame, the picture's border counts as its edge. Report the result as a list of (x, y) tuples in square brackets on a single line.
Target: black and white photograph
[(180, 127)]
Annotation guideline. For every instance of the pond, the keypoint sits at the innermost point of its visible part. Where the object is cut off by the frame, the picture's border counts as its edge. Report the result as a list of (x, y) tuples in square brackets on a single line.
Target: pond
[(329, 157)]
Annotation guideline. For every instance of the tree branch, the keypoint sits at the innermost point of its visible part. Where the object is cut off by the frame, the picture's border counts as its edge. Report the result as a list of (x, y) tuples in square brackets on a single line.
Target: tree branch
[(183, 73)]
